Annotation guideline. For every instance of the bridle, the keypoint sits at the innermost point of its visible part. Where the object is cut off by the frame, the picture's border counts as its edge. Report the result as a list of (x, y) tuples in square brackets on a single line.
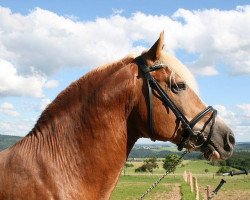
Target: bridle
[(188, 125)]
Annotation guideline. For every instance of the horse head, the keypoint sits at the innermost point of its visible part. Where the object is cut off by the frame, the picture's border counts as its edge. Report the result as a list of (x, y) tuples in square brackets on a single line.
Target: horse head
[(170, 108)]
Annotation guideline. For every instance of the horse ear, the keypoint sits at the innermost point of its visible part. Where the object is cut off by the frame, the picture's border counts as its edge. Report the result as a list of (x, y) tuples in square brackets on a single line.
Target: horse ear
[(154, 52)]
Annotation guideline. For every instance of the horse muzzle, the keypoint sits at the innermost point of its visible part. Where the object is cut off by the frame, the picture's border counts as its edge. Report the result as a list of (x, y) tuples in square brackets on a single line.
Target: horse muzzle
[(221, 143)]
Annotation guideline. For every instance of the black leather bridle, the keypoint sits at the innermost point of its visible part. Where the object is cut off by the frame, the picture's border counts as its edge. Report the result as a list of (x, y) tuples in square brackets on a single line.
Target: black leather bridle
[(188, 125)]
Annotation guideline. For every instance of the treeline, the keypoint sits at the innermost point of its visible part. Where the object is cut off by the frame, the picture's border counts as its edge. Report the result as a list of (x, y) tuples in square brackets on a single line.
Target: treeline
[(239, 160), (148, 153), (7, 141), (242, 146)]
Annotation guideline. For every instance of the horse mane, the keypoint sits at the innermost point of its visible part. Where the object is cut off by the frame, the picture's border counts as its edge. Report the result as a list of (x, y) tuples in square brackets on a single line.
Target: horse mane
[(72, 98)]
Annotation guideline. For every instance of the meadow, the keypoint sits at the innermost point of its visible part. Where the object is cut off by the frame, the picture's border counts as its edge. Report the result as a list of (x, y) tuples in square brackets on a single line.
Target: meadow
[(132, 185)]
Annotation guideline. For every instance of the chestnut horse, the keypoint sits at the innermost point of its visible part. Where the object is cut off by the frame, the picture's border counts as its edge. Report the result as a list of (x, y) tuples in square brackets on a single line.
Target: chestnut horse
[(79, 145)]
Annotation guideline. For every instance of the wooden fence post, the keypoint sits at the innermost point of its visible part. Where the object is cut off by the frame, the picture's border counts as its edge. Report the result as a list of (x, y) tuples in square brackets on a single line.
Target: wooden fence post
[(185, 176), (191, 182), (208, 192), (188, 177), (196, 188)]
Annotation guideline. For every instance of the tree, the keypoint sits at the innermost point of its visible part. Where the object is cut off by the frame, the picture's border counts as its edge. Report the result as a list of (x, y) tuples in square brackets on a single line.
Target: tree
[(224, 169), (148, 165), (169, 162), (126, 166)]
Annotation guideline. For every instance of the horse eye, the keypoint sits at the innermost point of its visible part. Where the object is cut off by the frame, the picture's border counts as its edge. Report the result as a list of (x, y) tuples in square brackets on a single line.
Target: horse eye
[(181, 86), (178, 87)]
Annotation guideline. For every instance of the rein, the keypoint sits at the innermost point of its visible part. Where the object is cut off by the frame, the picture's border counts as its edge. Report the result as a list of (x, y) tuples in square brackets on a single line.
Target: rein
[(168, 171), (188, 125)]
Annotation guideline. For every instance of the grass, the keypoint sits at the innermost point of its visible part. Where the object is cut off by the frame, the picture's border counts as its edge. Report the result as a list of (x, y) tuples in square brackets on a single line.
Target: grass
[(132, 187), (197, 167), (236, 187), (134, 184), (186, 193)]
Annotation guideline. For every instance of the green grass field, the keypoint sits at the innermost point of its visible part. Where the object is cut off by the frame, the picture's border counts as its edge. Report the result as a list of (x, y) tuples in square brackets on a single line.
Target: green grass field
[(131, 187), (134, 184)]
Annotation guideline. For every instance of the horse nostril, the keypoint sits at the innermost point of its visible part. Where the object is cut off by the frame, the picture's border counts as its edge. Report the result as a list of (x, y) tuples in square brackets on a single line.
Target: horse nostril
[(229, 142), (231, 139)]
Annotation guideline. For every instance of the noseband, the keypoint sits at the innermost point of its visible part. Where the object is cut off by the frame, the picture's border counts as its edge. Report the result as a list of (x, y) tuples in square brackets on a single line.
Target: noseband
[(188, 125)]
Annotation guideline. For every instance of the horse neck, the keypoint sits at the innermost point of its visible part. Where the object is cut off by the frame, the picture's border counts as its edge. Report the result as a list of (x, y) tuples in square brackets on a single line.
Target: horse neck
[(93, 138)]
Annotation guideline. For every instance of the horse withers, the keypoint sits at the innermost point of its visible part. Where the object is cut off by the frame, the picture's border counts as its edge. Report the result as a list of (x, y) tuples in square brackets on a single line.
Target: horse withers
[(79, 145)]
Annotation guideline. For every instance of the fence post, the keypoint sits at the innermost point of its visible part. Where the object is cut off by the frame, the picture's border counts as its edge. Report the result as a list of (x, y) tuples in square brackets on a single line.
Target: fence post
[(188, 177), (191, 182), (185, 176), (208, 192), (196, 188)]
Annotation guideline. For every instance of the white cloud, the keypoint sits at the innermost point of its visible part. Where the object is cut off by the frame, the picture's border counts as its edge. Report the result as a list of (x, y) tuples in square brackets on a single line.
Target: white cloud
[(224, 113), (219, 36), (237, 120), (7, 106), (8, 109), (51, 84), (18, 127), (13, 84), (205, 70), (46, 42), (245, 108)]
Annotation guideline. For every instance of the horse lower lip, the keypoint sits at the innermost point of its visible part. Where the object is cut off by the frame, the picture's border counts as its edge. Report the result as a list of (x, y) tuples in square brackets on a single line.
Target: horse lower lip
[(211, 153), (215, 155)]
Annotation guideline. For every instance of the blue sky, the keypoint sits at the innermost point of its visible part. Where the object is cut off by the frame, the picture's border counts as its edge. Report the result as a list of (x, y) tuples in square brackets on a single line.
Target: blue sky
[(44, 46)]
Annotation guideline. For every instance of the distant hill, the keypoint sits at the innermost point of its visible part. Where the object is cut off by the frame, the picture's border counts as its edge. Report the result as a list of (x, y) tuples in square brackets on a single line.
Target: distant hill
[(242, 146), (163, 149), (8, 140), (160, 153)]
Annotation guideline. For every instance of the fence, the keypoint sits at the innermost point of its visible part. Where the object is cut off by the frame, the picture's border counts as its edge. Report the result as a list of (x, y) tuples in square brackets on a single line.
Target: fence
[(192, 181)]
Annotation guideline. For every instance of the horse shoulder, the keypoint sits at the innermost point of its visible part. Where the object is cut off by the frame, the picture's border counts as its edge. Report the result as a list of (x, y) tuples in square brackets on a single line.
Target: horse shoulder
[(19, 179)]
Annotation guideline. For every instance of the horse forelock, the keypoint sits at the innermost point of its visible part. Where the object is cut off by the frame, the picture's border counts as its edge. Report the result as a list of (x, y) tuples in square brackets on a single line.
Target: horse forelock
[(177, 67)]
